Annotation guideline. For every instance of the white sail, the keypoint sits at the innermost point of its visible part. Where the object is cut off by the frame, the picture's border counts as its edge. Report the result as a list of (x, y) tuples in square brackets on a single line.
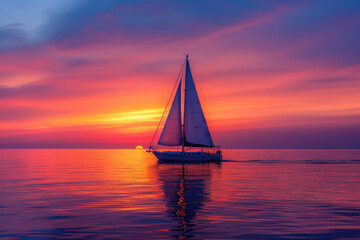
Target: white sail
[(196, 131), (172, 132)]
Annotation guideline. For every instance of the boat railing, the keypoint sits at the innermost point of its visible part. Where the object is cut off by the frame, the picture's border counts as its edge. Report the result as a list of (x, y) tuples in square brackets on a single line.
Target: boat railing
[(151, 149), (213, 150)]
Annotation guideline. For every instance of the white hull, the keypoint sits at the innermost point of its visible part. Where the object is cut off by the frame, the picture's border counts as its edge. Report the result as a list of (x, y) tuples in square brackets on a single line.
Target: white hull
[(186, 156)]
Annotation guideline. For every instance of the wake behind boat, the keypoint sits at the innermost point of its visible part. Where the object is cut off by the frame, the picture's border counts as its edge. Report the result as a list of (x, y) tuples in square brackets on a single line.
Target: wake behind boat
[(190, 130)]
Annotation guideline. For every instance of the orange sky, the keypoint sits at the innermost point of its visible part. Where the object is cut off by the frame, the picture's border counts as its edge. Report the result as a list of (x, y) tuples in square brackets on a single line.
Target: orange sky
[(268, 75)]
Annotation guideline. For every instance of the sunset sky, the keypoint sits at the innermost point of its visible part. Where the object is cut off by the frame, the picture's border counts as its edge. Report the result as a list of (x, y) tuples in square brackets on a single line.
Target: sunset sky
[(97, 74)]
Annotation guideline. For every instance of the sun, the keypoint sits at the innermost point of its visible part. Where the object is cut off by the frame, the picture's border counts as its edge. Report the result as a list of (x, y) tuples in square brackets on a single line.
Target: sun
[(139, 147)]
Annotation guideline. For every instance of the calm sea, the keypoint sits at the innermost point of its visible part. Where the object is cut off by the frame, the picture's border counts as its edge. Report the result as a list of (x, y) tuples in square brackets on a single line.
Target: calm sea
[(127, 194)]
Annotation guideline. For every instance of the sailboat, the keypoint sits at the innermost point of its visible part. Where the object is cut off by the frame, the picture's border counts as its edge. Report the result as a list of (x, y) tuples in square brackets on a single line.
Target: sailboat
[(190, 130)]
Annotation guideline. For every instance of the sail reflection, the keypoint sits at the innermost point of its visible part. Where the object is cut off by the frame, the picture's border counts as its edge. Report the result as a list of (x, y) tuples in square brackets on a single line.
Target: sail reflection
[(186, 189)]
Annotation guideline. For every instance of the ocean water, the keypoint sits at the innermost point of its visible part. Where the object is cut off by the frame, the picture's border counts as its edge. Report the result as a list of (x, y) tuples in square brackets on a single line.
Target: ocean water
[(127, 194)]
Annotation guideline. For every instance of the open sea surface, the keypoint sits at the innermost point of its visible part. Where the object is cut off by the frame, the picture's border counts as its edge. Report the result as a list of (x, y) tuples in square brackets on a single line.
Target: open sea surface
[(128, 194)]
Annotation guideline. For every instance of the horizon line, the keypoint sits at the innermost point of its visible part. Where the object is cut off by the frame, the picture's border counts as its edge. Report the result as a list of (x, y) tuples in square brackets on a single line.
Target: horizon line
[(146, 148)]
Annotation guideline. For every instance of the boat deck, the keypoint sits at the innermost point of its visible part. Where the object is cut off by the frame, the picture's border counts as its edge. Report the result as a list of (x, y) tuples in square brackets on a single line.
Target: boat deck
[(186, 156)]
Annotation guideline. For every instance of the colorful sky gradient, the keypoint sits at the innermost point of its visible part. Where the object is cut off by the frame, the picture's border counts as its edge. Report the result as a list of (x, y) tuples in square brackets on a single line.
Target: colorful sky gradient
[(97, 74)]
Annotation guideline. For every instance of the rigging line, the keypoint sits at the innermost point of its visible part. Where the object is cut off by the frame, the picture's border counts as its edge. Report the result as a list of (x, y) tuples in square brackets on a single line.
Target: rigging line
[(157, 128)]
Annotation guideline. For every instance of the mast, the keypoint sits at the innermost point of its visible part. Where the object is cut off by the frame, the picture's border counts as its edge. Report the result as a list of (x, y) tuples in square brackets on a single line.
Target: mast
[(183, 125)]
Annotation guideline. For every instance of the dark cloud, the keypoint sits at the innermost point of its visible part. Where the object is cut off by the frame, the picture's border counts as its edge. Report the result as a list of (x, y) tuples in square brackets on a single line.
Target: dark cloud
[(313, 34), (12, 35), (129, 21), (296, 87), (299, 137), (49, 90), (21, 113), (316, 84)]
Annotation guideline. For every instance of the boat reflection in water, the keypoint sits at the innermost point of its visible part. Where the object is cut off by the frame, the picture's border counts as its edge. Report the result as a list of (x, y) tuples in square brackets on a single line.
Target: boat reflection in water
[(186, 189)]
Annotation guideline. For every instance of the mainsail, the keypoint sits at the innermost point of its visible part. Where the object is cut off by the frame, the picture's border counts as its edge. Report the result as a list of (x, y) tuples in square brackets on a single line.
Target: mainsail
[(172, 132), (196, 131)]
